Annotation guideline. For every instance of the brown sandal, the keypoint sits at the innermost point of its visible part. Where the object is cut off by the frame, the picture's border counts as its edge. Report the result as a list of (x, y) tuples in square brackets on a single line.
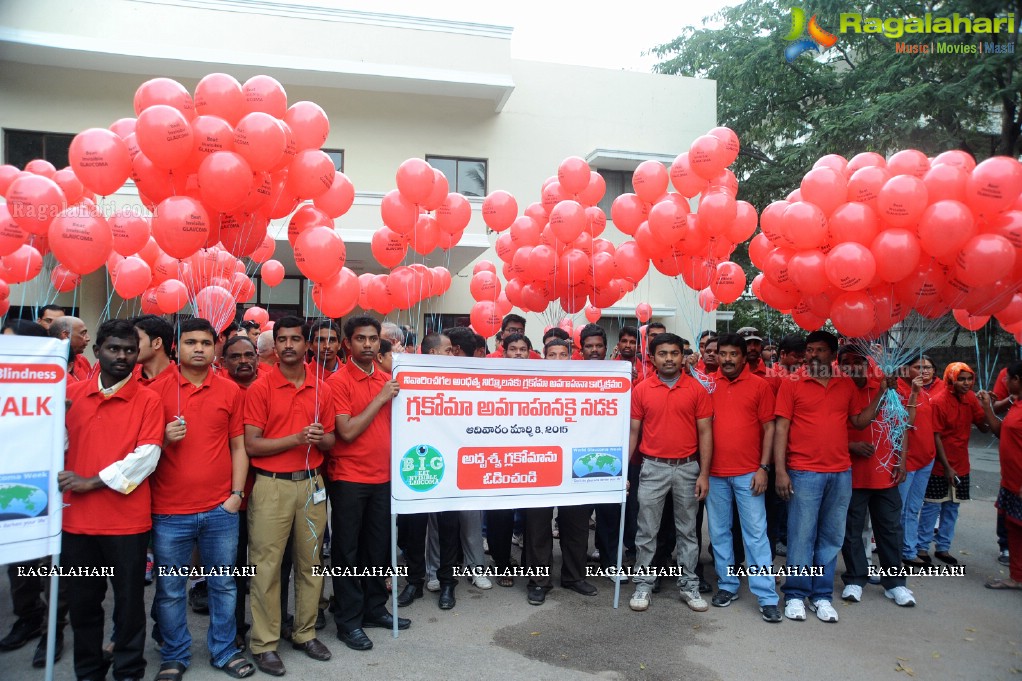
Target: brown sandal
[(505, 581)]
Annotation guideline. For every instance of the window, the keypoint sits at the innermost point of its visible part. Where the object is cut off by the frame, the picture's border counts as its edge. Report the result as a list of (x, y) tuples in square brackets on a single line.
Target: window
[(618, 182), (338, 158), (465, 176), (439, 322), (22, 146)]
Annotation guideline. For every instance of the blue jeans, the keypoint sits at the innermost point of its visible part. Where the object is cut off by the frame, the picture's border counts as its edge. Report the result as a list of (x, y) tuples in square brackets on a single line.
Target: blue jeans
[(752, 513), (912, 492), (817, 513), (948, 512), (216, 532)]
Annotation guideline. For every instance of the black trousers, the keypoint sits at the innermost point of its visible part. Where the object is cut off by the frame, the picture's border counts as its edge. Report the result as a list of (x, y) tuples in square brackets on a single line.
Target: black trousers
[(884, 507), (500, 525), (361, 542), (126, 554), (608, 532), (241, 583), (27, 593), (777, 513), (449, 535), (573, 526), (632, 505)]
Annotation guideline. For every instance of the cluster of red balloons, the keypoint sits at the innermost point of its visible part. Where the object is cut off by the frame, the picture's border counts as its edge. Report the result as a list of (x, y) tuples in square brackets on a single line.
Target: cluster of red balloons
[(421, 213), (866, 241)]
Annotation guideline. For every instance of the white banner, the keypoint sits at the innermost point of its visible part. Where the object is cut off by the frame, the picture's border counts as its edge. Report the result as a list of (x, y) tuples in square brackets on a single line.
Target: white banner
[(33, 375), (508, 433)]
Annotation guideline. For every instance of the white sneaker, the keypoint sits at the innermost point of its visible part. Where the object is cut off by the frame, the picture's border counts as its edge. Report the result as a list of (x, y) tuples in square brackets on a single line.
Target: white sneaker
[(481, 582), (640, 599), (795, 609), (901, 595), (433, 585), (853, 593), (825, 612), (694, 600), (518, 540)]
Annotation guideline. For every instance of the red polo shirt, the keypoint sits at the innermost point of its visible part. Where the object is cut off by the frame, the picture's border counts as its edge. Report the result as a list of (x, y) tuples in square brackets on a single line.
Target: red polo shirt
[(195, 474), (669, 415), (922, 449), (147, 381), (280, 409), (367, 459), (818, 436), (100, 431), (1000, 388), (760, 369), (952, 420), (870, 472), (776, 374), (321, 371), (740, 408), (1011, 449)]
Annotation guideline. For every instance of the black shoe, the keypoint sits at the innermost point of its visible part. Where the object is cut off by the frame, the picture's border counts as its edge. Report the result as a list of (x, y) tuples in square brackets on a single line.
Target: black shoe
[(771, 613), (946, 557), (320, 620), (385, 621), (39, 658), (656, 585), (198, 598), (723, 598), (704, 586), (537, 595), (21, 633), (581, 587), (447, 599), (355, 639), (409, 594)]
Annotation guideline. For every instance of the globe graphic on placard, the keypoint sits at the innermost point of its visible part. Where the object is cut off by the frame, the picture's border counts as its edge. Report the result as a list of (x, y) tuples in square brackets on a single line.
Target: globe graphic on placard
[(21, 501), (596, 464)]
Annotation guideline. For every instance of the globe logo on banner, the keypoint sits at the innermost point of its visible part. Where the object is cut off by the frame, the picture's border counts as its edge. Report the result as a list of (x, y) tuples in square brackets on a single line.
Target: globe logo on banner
[(818, 38), (596, 462), (23, 495), (422, 468)]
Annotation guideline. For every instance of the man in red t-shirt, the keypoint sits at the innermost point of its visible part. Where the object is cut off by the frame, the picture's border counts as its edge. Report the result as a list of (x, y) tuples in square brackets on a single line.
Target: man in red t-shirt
[(358, 481), (114, 431), (673, 414), (743, 432), (325, 343), (197, 491), (155, 344), (814, 472), (877, 471), (76, 333), (754, 343), (288, 425)]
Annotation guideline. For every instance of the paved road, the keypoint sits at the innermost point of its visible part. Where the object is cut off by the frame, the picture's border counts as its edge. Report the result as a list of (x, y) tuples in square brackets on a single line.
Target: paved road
[(959, 630)]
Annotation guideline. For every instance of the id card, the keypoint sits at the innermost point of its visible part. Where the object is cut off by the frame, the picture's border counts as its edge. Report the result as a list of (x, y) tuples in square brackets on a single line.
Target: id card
[(319, 496)]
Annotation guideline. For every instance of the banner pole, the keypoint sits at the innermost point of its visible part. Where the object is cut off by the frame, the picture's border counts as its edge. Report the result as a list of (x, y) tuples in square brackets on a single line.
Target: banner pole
[(51, 619), (393, 565), (620, 555)]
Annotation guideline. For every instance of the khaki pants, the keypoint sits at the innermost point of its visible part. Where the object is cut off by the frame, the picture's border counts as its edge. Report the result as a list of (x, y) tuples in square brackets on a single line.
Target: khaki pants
[(276, 506)]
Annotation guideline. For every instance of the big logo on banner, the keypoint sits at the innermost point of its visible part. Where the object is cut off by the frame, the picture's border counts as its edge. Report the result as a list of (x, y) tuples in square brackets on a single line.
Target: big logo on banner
[(499, 433), (32, 388)]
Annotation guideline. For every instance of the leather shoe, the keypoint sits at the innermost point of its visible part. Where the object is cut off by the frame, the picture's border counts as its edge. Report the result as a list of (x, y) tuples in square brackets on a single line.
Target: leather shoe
[(385, 621), (447, 599), (269, 663), (581, 587), (409, 594), (355, 639), (39, 658), (314, 648), (536, 595), (21, 633)]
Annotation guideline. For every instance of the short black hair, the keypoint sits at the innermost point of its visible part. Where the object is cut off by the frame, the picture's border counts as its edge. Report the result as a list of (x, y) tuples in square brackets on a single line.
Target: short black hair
[(232, 327), (628, 330), (48, 308), (358, 322), (463, 337), (732, 339), (430, 342), (666, 339), (386, 346), (481, 343), (250, 324), (511, 318), (513, 338), (556, 332), (590, 330), (822, 336), (288, 322), (557, 343), (1015, 369), (196, 324), (320, 324), (116, 328), (850, 349), (793, 342), (240, 338), (156, 327), (25, 327), (655, 325), (707, 332)]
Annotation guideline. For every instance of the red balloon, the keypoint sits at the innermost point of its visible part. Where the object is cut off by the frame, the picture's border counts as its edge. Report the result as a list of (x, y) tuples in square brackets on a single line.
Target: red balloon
[(123, 127), (485, 319), (955, 157), (336, 200), (265, 250), (628, 212), (290, 150), (33, 201), (707, 301), (217, 305), (453, 214), (807, 271), (11, 236), (388, 247), (759, 247), (970, 322), (100, 159), (650, 180), (210, 135), (744, 224), (272, 273), (643, 312), (717, 212), (525, 232), (265, 94), (398, 212), (896, 254), (72, 187), (180, 226), (261, 140), (441, 188), (771, 222), (149, 252), (132, 277), (338, 296), (865, 184), (946, 182), (22, 265), (708, 156), (225, 180), (909, 162), (984, 259), (573, 174), (729, 139), (804, 224), (902, 201), (62, 279), (8, 174), (319, 253), (775, 266), (630, 262), (853, 314), (850, 267), (684, 179), (596, 221), (241, 233), (426, 235), (167, 92), (219, 94), (311, 174), (504, 247), (825, 188), (854, 222), (81, 240), (41, 167), (995, 184), (594, 191), (552, 194), (171, 296), (499, 210), (415, 180), (164, 136), (484, 286), (728, 282), (309, 123), (946, 226), (567, 220), (542, 263), (305, 218), (835, 162)]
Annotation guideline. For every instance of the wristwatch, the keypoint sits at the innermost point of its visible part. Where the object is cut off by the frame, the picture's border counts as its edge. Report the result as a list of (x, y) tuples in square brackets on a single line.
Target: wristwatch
[(239, 492), (765, 467)]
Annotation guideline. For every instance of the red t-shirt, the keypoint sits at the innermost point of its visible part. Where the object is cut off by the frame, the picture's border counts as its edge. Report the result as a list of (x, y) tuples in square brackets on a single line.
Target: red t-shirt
[(740, 408), (669, 415), (321, 371), (367, 459), (870, 472), (101, 431), (952, 420), (149, 381), (776, 374), (922, 449), (195, 474), (759, 370), (280, 409), (1011, 449), (818, 435), (1000, 388)]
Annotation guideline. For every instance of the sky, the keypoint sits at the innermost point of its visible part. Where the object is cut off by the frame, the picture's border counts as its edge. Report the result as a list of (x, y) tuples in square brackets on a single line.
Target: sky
[(589, 33)]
